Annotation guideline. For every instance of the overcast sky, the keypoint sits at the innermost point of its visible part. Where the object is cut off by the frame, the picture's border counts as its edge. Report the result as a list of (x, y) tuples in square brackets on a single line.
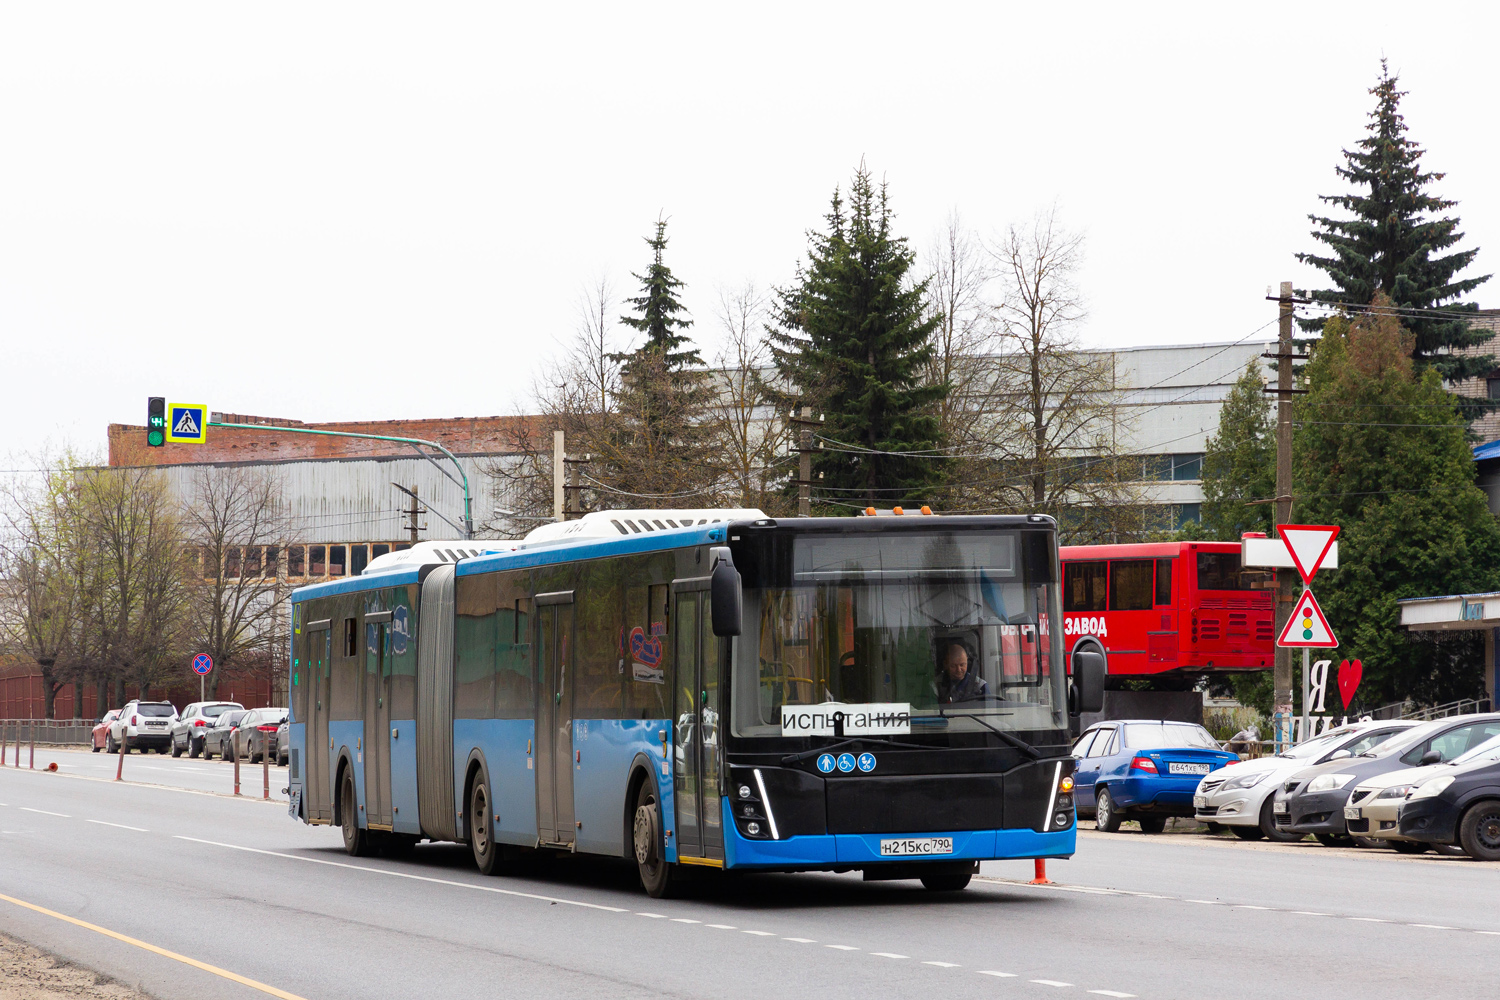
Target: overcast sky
[(363, 211)]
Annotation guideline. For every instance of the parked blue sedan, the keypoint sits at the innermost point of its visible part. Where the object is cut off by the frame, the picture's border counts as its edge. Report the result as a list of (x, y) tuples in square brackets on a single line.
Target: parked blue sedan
[(1142, 769)]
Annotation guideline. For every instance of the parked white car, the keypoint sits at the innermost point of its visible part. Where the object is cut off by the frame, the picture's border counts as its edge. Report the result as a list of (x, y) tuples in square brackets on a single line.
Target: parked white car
[(144, 725), (1375, 804), (1240, 796)]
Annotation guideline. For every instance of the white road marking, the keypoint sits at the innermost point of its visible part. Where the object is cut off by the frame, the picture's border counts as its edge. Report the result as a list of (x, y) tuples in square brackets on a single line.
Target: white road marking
[(1205, 902), (45, 812), (944, 965), (1487, 932), (685, 920), (120, 826), (992, 972), (722, 927), (1111, 993), (1248, 906), (1433, 927), (888, 954), (1309, 913), (1048, 982), (1377, 920), (841, 947), (653, 916), (801, 940), (409, 875), (762, 933)]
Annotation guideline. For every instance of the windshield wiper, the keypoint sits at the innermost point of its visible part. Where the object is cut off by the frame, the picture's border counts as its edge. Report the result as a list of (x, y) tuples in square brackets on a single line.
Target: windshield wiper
[(1016, 742), (797, 758)]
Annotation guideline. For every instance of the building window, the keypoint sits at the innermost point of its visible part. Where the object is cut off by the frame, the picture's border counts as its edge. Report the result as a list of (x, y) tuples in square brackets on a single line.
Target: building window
[(379, 549), (1183, 513), (273, 554), (1187, 466), (1493, 385), (338, 561), (359, 558), (317, 560), (232, 562), (252, 560), (294, 561)]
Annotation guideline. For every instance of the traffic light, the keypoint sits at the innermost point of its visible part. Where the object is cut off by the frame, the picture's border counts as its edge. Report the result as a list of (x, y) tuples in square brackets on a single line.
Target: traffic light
[(156, 421)]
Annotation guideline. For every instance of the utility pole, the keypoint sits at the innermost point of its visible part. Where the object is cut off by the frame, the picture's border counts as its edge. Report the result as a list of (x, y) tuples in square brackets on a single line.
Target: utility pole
[(573, 504), (413, 512), (1286, 579), (558, 462), (803, 420)]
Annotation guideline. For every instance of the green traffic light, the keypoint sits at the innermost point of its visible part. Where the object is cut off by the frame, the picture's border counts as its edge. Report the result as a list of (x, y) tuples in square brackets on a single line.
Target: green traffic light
[(155, 438)]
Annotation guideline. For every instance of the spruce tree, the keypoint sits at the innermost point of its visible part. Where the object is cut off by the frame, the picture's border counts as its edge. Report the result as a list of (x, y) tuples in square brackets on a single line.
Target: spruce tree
[(657, 453), (853, 338), (1239, 463), (1394, 242), (1382, 451)]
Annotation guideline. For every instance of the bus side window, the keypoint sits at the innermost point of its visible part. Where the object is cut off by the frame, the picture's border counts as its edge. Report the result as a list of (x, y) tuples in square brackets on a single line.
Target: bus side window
[(1130, 585), (1163, 581), (1083, 586)]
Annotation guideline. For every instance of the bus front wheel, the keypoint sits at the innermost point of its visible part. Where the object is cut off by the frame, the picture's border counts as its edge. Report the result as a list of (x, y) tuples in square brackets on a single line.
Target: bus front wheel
[(650, 846), (948, 877), (356, 841)]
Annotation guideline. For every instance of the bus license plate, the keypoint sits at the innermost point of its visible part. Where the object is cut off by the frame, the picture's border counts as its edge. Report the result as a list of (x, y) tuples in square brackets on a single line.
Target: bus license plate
[(907, 847), (1175, 768)]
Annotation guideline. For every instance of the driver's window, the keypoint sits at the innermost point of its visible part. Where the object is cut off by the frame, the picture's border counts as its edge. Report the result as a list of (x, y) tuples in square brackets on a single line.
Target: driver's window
[(1105, 749)]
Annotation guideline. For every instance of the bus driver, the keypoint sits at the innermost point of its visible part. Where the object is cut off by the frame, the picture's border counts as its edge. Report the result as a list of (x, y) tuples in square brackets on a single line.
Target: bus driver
[(955, 681)]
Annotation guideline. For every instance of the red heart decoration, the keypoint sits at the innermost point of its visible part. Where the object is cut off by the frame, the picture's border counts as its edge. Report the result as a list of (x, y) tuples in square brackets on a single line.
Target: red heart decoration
[(1350, 673)]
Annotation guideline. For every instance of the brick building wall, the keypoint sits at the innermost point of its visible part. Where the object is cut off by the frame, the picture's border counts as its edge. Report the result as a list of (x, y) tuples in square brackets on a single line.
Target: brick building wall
[(1487, 427), (460, 435)]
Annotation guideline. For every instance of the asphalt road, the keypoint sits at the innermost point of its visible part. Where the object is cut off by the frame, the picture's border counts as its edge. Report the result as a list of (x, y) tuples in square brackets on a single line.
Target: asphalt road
[(159, 769), (142, 880)]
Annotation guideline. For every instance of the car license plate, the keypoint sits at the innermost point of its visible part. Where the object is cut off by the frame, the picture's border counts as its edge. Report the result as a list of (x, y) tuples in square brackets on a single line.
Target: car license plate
[(1199, 801), (1281, 807), (1351, 812), (911, 846), (1176, 768), (158, 725)]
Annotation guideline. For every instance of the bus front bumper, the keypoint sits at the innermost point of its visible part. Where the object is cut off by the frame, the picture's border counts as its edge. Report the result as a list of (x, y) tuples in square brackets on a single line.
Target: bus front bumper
[(841, 850)]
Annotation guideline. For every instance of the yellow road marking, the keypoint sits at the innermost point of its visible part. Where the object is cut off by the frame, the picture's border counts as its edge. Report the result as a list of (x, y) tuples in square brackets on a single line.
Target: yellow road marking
[(222, 973)]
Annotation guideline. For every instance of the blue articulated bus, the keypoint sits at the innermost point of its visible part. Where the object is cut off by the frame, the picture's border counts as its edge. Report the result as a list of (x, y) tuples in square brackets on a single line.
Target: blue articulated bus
[(722, 689)]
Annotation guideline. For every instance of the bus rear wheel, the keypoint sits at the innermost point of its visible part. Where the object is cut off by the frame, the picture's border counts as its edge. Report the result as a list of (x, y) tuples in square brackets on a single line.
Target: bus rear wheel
[(356, 840), (650, 846), (481, 828)]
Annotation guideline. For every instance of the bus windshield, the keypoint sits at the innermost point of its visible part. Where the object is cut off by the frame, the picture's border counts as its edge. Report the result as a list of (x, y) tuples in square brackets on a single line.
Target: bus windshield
[(954, 624)]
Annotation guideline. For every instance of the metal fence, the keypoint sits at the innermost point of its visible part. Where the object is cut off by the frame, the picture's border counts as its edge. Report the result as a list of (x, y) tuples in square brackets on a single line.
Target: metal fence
[(77, 732)]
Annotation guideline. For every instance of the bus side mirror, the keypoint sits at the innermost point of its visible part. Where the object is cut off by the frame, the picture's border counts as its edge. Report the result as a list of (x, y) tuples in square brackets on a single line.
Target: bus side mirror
[(1087, 694), (724, 590)]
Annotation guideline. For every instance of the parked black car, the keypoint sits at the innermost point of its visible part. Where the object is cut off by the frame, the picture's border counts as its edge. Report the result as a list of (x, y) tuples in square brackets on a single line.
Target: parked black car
[(1312, 801), (217, 736), (1461, 808)]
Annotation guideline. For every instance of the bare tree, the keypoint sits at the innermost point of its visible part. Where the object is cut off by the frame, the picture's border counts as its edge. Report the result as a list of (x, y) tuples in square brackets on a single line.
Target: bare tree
[(133, 598), (40, 607), (960, 283), (1051, 408), (750, 438), (236, 524)]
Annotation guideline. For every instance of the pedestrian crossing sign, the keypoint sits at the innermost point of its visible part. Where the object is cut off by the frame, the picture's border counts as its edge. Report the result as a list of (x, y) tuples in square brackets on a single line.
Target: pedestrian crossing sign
[(187, 423)]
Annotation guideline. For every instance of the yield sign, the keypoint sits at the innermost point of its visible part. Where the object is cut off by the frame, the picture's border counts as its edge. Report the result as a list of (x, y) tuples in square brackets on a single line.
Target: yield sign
[(1308, 544), (1307, 626)]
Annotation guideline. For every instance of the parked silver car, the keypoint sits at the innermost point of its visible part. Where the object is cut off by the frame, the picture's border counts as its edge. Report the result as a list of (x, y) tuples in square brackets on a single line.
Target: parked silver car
[(188, 729), (255, 735)]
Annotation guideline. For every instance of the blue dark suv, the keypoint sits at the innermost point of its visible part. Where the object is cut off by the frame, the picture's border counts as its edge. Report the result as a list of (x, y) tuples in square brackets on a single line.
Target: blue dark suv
[(1142, 769)]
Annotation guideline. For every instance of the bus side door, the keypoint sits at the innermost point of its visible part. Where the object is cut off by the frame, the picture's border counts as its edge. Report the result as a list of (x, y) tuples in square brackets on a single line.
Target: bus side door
[(700, 831), (554, 718)]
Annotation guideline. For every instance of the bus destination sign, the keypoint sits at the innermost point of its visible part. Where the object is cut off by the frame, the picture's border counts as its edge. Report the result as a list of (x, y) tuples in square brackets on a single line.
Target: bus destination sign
[(872, 719)]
